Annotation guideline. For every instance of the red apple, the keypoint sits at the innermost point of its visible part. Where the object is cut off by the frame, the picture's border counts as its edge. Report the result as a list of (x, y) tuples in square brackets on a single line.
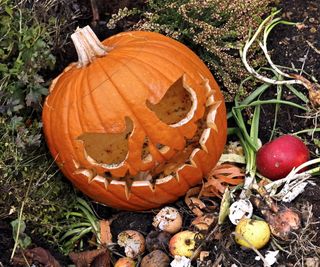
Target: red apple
[(277, 158)]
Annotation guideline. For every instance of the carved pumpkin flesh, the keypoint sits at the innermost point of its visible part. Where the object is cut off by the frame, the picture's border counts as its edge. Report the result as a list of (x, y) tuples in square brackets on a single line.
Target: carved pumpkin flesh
[(137, 121)]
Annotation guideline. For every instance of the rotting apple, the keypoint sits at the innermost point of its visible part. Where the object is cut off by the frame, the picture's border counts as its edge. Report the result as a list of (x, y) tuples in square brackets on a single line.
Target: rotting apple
[(277, 158), (133, 243), (168, 219), (250, 232), (183, 243)]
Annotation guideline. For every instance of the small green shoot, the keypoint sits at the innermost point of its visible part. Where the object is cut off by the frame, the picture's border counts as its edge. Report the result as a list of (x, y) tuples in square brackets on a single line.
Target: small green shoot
[(83, 222)]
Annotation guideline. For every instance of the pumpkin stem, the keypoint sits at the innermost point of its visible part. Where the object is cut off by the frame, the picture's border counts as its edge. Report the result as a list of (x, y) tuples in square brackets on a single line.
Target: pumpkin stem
[(88, 46)]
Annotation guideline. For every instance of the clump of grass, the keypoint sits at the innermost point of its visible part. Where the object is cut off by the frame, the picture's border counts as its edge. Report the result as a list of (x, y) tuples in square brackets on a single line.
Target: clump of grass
[(24, 163), (214, 29)]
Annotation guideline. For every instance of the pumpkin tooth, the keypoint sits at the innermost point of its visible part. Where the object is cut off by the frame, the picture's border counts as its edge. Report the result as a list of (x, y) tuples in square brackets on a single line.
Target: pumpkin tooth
[(211, 117), (86, 172), (76, 164), (193, 153), (106, 184), (98, 178), (207, 86), (203, 139), (210, 101), (165, 179), (127, 190), (149, 184)]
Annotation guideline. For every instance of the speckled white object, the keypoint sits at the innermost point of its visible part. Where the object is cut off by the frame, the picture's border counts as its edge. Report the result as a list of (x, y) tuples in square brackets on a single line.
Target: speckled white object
[(240, 209)]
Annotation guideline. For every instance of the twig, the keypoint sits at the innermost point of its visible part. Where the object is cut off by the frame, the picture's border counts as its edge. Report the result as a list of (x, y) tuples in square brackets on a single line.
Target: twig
[(95, 11), (16, 243), (313, 47)]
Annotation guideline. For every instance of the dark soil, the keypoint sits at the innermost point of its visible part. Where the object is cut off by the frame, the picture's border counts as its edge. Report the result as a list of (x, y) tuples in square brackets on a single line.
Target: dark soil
[(289, 48)]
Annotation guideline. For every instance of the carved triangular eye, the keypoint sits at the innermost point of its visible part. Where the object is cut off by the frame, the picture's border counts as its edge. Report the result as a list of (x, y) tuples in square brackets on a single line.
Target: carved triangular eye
[(174, 105), (108, 148)]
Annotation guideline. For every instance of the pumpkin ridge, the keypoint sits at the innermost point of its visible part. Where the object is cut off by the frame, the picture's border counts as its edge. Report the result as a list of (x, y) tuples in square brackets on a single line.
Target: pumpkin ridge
[(156, 45), (162, 40), (54, 128), (115, 193), (150, 66), (146, 199)]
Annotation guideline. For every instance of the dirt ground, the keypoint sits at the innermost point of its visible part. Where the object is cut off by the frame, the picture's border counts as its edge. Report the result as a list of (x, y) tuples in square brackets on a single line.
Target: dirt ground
[(291, 47)]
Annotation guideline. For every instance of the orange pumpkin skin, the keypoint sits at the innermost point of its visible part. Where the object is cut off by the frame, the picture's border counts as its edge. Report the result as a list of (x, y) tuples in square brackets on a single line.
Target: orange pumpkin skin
[(140, 67)]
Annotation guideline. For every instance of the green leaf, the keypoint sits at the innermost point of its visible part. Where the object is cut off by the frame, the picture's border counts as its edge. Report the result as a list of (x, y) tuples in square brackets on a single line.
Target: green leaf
[(18, 228), (9, 11), (224, 207)]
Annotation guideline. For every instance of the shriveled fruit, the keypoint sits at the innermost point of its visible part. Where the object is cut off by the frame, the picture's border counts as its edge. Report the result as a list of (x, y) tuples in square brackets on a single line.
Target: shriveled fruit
[(277, 158), (157, 240), (156, 258)]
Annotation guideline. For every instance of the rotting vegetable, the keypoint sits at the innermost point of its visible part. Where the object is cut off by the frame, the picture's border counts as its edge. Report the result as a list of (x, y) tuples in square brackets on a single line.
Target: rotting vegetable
[(250, 232), (183, 244)]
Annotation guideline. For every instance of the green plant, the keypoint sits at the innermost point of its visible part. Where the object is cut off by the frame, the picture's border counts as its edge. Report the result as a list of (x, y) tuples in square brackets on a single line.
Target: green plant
[(24, 53), (81, 222)]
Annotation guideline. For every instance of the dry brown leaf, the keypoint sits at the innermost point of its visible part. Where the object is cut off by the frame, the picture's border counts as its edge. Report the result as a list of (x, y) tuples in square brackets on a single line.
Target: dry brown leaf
[(105, 232), (194, 203), (35, 256), (219, 177), (89, 258)]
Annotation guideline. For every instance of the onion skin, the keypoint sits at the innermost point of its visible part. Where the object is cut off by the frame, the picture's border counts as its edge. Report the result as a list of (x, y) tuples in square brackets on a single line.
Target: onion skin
[(277, 158)]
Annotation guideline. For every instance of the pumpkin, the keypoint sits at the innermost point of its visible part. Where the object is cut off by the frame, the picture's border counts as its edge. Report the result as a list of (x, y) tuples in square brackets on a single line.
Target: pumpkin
[(137, 121)]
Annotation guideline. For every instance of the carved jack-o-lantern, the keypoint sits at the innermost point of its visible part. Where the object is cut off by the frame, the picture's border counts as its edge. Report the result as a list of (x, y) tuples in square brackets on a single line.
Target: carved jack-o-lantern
[(137, 121)]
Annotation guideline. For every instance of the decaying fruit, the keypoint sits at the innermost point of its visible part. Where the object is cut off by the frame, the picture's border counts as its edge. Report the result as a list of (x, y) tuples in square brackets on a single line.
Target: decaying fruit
[(156, 258), (183, 243), (250, 232), (168, 219), (133, 243), (125, 262), (277, 158), (157, 240), (137, 121)]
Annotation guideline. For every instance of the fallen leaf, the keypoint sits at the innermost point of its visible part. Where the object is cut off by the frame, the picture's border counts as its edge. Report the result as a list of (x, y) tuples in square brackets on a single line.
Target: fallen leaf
[(218, 179), (105, 232), (35, 256), (89, 258), (194, 203)]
